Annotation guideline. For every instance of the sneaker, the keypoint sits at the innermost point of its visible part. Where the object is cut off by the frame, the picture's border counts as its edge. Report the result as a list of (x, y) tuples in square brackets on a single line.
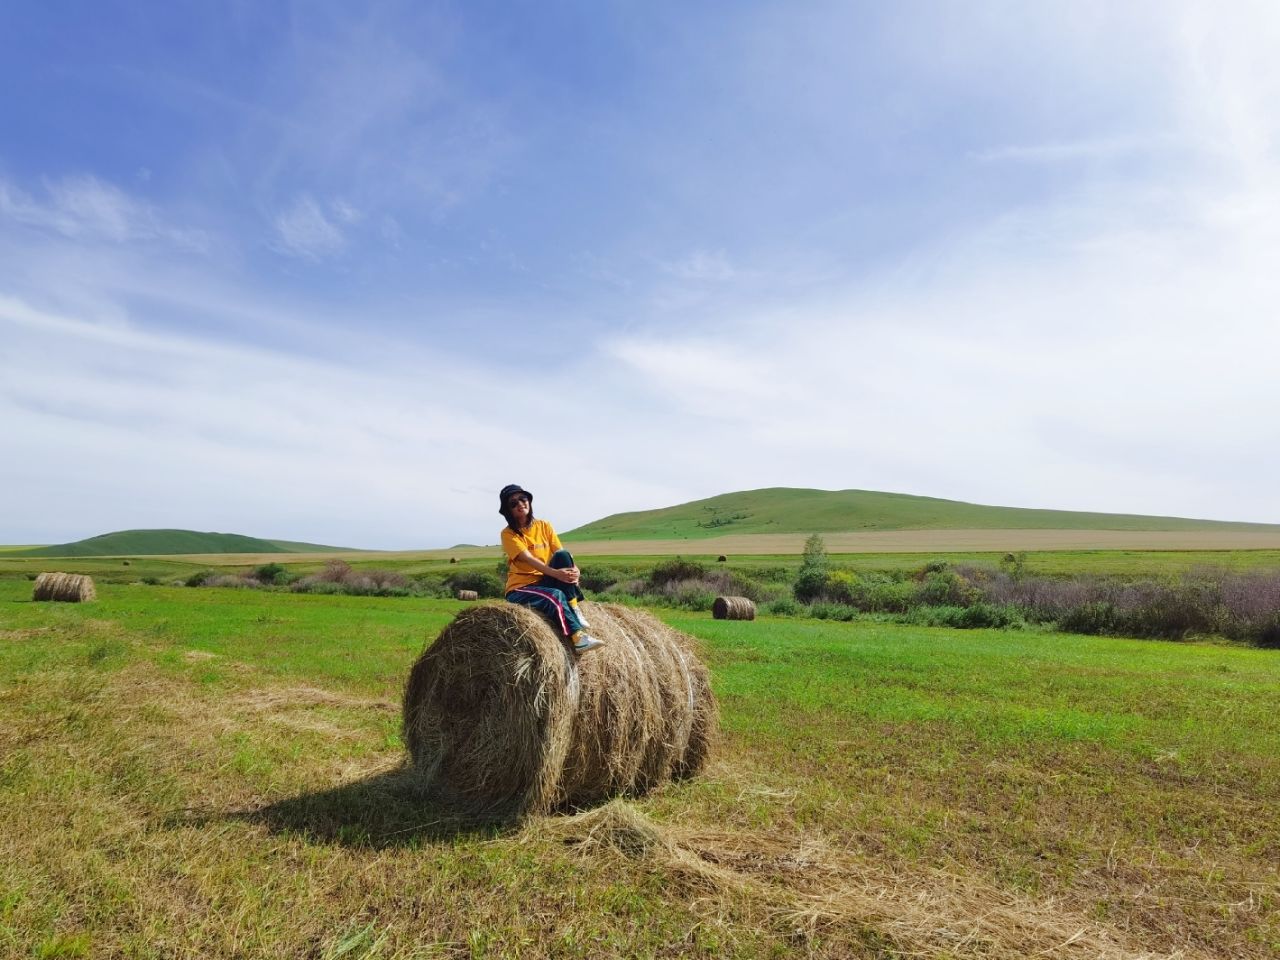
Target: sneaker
[(585, 643), (577, 608)]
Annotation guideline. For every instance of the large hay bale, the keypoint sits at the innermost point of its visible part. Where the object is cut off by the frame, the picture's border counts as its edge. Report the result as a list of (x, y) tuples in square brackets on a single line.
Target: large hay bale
[(67, 587), (733, 608), (468, 595), (501, 717)]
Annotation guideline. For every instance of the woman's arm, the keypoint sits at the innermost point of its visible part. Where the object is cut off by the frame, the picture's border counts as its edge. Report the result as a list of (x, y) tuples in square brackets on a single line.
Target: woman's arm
[(565, 575)]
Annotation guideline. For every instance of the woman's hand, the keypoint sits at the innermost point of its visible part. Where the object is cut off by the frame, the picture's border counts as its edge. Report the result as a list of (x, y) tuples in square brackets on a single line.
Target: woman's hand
[(568, 574)]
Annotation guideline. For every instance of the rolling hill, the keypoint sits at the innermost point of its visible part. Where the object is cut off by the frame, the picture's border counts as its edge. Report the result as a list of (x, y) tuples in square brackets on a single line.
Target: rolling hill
[(163, 542), (792, 510)]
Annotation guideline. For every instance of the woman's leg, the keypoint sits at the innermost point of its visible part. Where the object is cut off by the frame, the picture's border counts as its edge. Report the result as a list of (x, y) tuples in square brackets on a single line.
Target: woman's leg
[(551, 603), (563, 560)]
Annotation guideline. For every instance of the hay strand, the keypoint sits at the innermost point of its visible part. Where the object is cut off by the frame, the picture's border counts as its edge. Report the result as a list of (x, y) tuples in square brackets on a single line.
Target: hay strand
[(468, 595), (64, 587), (500, 717), (733, 608), (817, 889)]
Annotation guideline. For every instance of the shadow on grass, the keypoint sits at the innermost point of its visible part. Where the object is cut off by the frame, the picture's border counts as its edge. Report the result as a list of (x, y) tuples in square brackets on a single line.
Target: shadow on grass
[(384, 810)]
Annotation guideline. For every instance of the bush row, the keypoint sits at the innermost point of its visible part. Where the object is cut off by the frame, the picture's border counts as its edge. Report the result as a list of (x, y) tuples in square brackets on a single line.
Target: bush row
[(1241, 606), (339, 577)]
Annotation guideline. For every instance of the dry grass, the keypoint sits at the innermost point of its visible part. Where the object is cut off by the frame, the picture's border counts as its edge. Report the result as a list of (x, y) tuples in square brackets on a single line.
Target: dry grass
[(733, 608), (64, 587), (500, 716), (264, 864), (158, 804), (812, 888)]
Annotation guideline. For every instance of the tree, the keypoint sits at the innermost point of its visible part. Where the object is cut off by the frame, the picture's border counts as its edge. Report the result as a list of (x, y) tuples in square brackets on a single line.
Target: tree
[(812, 579)]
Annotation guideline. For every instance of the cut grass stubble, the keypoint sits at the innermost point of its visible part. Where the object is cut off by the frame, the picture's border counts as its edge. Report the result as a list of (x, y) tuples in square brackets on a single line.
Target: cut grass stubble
[(216, 776)]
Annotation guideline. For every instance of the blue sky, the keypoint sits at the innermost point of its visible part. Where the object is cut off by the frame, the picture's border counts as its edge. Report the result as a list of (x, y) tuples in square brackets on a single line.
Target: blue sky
[(338, 272)]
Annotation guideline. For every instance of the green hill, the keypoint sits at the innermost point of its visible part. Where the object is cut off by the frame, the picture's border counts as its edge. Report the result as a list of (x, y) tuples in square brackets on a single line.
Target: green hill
[(791, 510), (159, 542)]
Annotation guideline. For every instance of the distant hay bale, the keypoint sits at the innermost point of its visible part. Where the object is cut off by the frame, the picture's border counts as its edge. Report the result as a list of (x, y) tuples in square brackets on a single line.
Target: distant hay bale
[(468, 595), (501, 718), (66, 587), (733, 608)]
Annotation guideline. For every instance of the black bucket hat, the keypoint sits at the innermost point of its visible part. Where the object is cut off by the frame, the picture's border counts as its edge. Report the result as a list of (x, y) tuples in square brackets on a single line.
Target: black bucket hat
[(507, 492)]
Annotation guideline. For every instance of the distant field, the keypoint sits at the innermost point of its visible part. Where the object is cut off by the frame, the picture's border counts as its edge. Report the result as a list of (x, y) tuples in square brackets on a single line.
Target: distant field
[(217, 773), (781, 510), (627, 556), (782, 544)]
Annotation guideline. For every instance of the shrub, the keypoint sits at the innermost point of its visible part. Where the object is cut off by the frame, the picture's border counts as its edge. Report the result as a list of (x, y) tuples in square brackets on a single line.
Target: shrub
[(670, 571), (692, 595), (945, 589), (229, 580), (843, 587), (887, 596), (1096, 617), (810, 585), (833, 611), (973, 617), (335, 571), (1014, 564), (596, 579), (785, 607), (151, 581), (316, 585), (484, 584), (200, 578), (1267, 634), (271, 573)]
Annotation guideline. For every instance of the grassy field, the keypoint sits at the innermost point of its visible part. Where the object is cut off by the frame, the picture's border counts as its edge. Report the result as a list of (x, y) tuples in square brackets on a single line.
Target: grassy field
[(783, 510), (1124, 563), (194, 773)]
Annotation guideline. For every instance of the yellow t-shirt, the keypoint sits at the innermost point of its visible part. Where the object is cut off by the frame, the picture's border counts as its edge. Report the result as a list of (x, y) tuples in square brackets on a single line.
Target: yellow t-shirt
[(541, 542)]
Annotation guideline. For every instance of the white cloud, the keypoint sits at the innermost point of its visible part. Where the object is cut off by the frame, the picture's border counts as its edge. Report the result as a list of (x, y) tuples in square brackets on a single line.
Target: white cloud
[(1102, 148), (304, 231), (391, 447), (704, 265), (88, 209)]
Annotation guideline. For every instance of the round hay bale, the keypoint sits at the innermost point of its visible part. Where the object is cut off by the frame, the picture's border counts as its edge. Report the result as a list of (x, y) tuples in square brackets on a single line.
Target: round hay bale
[(65, 587), (501, 718), (468, 595), (733, 608), (722, 559)]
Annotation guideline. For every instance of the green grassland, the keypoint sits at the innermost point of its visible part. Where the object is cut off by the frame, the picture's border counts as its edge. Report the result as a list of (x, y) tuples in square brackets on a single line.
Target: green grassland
[(196, 773), (788, 510), (1054, 563), (159, 542)]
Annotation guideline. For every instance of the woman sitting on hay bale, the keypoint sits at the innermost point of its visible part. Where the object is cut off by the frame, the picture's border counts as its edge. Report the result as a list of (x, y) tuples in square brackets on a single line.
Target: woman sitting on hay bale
[(540, 573)]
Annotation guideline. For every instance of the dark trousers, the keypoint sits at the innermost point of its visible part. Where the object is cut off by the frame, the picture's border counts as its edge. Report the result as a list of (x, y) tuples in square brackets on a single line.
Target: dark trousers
[(550, 597)]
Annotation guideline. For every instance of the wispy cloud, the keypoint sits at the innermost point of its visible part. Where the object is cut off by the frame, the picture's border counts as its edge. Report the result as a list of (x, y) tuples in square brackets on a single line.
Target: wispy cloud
[(86, 208), (1104, 148), (303, 230), (704, 265)]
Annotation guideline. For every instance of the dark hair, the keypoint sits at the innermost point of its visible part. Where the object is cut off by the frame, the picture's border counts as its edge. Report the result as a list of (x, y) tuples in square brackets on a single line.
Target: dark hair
[(506, 512)]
